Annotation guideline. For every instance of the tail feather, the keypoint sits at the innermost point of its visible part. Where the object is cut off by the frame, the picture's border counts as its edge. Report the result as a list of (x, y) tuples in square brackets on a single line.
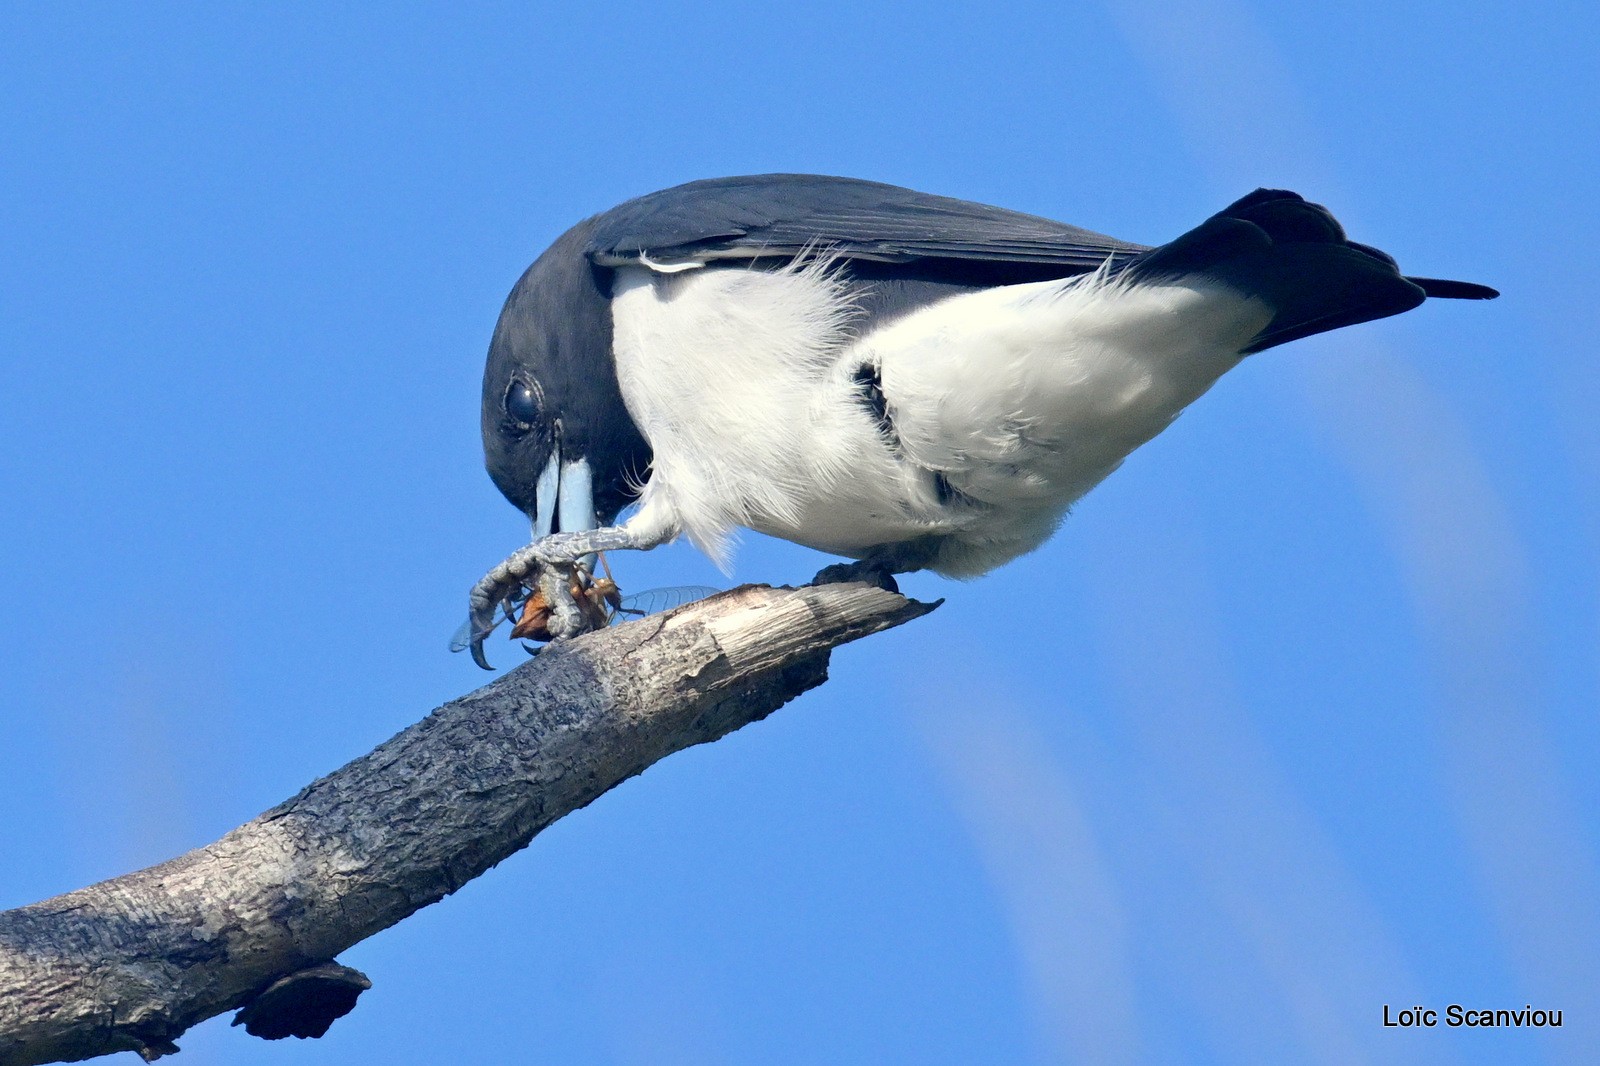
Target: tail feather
[(1443, 289), (1274, 245)]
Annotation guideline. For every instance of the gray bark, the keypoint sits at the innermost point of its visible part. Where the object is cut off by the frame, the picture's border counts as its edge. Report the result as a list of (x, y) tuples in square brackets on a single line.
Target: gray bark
[(255, 919)]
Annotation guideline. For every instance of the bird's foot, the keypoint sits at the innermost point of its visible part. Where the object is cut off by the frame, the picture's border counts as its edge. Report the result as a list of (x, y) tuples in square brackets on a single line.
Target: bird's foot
[(555, 570), (871, 571)]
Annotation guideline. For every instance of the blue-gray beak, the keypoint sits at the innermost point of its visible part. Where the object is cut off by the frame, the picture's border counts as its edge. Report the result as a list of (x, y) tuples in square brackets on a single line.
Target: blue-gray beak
[(563, 497)]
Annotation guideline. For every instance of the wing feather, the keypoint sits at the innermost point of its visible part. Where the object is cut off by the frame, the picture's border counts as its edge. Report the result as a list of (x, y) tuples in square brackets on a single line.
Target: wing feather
[(789, 214)]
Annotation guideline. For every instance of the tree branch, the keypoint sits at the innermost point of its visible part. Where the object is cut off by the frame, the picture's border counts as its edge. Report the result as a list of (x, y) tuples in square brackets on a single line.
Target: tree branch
[(255, 919)]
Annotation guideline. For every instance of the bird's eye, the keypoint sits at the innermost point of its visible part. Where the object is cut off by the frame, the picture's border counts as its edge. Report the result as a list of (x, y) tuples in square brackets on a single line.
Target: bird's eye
[(522, 403)]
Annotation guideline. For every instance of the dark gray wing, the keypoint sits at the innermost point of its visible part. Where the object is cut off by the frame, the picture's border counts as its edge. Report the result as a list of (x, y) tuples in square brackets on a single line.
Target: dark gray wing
[(786, 214)]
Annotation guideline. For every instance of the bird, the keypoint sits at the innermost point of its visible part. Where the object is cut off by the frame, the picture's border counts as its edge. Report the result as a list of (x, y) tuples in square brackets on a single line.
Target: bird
[(906, 380)]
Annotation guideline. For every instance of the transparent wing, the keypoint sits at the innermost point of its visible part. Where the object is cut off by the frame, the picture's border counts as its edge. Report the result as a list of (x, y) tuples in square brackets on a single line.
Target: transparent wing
[(461, 639), (652, 601)]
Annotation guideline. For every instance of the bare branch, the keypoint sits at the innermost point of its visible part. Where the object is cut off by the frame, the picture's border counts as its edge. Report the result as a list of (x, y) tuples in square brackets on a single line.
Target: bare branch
[(255, 919)]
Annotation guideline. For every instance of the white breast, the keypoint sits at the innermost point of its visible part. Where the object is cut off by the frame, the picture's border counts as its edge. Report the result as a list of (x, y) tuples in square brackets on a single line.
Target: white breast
[(1006, 404)]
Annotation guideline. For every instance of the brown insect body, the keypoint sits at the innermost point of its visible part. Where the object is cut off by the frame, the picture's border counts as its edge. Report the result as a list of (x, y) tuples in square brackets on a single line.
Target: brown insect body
[(597, 600)]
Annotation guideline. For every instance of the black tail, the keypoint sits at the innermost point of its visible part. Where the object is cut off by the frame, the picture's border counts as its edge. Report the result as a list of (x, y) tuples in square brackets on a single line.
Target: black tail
[(1295, 256)]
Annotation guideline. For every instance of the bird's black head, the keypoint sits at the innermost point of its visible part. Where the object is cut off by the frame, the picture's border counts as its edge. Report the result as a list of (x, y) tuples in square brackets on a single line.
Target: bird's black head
[(557, 439)]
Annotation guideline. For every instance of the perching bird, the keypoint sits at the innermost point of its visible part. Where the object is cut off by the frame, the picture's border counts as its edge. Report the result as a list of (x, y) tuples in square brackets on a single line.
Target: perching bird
[(908, 380)]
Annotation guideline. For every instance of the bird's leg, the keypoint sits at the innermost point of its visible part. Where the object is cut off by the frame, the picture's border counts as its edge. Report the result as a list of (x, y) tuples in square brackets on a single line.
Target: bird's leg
[(548, 564)]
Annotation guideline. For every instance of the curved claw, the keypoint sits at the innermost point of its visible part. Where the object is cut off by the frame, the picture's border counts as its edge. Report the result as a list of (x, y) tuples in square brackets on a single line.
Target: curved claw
[(493, 589), (480, 619), (485, 597), (477, 654)]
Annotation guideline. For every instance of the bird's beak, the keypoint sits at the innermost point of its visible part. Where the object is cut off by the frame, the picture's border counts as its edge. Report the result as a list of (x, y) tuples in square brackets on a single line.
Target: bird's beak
[(563, 497), (545, 495), (577, 496)]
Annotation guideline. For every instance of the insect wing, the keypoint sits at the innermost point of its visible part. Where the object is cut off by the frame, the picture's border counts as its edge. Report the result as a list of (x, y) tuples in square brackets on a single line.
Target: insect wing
[(653, 601), (461, 639)]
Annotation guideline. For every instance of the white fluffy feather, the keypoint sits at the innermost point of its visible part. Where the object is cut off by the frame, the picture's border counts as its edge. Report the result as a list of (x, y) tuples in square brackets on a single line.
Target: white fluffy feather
[(1021, 398)]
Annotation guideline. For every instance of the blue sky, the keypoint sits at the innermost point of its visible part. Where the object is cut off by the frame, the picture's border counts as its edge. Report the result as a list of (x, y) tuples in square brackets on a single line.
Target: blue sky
[(1294, 718)]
